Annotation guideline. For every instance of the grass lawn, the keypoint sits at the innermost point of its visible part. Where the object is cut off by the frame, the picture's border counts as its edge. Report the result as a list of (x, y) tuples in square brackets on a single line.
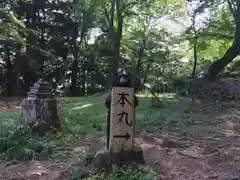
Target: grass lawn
[(86, 116)]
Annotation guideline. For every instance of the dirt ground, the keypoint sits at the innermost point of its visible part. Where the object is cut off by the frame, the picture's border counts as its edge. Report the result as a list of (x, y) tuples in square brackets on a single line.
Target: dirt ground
[(199, 159), (202, 152), (9, 104)]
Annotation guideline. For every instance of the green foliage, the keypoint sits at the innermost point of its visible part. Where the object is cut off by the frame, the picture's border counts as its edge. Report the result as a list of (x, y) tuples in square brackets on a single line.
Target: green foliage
[(155, 36), (11, 29), (131, 172), (16, 143)]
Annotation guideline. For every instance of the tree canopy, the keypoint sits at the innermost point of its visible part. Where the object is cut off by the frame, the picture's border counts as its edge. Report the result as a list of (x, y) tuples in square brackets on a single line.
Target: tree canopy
[(83, 42)]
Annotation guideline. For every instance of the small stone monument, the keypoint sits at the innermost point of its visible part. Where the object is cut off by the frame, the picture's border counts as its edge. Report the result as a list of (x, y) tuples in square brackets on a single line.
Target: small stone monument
[(39, 109)]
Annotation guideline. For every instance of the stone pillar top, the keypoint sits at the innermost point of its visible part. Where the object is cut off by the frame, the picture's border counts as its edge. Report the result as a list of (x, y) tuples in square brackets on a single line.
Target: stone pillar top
[(40, 89)]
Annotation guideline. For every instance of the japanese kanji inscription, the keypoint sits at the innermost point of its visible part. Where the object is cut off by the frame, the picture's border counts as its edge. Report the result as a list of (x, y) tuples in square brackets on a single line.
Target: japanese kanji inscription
[(122, 117)]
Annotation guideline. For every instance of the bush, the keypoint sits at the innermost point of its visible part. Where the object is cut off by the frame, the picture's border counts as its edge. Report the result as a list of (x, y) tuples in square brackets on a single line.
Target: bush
[(16, 143)]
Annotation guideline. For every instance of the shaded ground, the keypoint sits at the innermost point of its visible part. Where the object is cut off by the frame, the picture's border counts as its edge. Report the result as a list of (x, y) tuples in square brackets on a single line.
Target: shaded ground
[(205, 152), (9, 104), (200, 159), (206, 147), (34, 170)]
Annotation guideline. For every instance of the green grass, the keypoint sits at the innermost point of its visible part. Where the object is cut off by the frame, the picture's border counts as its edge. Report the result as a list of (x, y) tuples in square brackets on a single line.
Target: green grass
[(130, 172), (86, 116)]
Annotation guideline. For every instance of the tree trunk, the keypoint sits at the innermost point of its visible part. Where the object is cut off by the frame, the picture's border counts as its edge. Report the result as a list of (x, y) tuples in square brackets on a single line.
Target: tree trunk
[(217, 66), (17, 74), (29, 78), (83, 77), (136, 76), (119, 32), (195, 59), (115, 38), (9, 73), (74, 77), (74, 67)]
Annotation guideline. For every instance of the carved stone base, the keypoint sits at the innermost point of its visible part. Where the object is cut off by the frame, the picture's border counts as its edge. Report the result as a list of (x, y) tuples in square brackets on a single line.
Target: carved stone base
[(105, 159), (40, 115)]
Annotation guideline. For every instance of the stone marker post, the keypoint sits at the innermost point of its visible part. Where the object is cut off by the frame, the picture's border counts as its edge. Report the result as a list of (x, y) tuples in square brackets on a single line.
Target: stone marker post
[(121, 148), (122, 114)]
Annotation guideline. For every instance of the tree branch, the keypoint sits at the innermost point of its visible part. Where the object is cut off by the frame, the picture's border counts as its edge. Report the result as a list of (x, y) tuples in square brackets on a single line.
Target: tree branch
[(232, 8), (119, 17), (106, 13)]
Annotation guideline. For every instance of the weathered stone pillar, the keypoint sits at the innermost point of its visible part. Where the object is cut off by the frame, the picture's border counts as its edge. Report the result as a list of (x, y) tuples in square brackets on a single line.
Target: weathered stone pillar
[(121, 104), (39, 109)]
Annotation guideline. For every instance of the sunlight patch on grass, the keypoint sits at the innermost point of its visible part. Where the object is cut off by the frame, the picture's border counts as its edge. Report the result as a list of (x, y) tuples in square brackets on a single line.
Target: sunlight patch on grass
[(143, 95), (83, 106), (83, 115)]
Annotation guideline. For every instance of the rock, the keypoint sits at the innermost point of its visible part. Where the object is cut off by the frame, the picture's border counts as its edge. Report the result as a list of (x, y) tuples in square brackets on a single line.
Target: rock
[(102, 160), (149, 139), (56, 175), (170, 143), (105, 159), (77, 170)]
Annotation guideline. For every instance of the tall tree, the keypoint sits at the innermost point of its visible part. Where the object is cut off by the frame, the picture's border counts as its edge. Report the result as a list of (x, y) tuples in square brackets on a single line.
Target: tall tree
[(234, 50)]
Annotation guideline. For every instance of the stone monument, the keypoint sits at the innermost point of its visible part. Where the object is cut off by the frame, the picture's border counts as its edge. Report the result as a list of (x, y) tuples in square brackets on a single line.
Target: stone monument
[(39, 109), (121, 148), (122, 115), (121, 104)]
